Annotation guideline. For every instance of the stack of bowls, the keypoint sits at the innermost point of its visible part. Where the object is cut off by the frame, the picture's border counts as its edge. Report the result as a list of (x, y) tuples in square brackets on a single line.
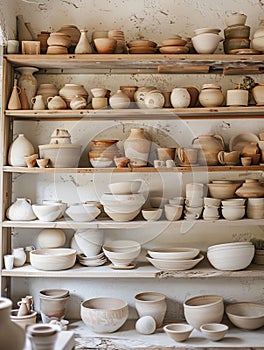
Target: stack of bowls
[(58, 43), (53, 304), (194, 201), (211, 208), (142, 46), (103, 152), (122, 253), (177, 259), (89, 242), (231, 256), (174, 45), (119, 36), (255, 208), (234, 208), (236, 33), (206, 40)]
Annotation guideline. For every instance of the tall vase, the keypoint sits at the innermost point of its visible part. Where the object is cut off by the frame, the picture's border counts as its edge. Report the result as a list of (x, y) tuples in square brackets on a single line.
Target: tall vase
[(18, 149), (12, 337), (137, 147), (28, 81), (14, 100), (83, 45)]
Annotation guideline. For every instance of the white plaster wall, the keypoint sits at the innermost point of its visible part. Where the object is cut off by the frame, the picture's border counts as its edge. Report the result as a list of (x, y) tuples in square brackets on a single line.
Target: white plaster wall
[(154, 20)]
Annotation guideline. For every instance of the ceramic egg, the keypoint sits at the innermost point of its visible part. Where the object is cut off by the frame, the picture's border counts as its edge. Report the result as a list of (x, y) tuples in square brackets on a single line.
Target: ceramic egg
[(146, 325)]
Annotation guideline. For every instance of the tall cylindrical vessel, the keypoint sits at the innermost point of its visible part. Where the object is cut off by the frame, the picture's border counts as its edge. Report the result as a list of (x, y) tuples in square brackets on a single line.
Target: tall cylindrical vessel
[(137, 147)]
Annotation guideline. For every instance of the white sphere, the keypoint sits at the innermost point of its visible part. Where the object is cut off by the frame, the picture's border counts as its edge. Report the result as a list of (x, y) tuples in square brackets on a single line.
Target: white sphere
[(51, 238), (146, 325)]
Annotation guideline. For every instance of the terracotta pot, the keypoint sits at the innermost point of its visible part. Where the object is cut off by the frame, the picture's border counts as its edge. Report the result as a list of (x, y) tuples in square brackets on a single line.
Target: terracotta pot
[(18, 149), (209, 146), (137, 147), (250, 188), (72, 31)]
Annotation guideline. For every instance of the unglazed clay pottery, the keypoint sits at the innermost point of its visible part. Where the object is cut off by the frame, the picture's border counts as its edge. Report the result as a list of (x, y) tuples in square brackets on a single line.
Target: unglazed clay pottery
[(83, 46), (47, 90), (173, 212), (22, 30), (59, 39), (83, 212), (51, 238), (237, 98), (187, 156), (69, 91), (19, 256), (61, 155), (137, 147), (14, 100), (47, 212), (211, 95), (237, 31), (53, 308), (105, 45), (42, 336), (250, 188), (151, 214), (31, 160), (246, 315), (72, 31), (236, 44), (28, 81), (43, 162), (99, 102), (99, 92), (235, 18), (42, 38), (23, 98), (166, 153), (223, 190), (21, 209), (206, 43), (258, 94), (78, 102), (18, 149), (209, 146), (214, 331), (38, 102), (89, 241), (23, 321), (180, 98), (53, 259), (56, 102), (13, 337), (145, 325), (154, 99), (119, 100), (151, 304), (104, 315), (229, 158), (129, 91), (178, 331)]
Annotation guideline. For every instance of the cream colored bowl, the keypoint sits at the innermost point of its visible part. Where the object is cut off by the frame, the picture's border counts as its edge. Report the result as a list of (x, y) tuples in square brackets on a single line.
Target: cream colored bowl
[(173, 253), (53, 259), (62, 155), (177, 265), (178, 331), (246, 315)]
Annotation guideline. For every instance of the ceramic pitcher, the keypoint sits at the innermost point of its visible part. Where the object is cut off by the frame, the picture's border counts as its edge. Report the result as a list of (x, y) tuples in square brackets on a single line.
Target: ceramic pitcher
[(209, 146), (21, 209)]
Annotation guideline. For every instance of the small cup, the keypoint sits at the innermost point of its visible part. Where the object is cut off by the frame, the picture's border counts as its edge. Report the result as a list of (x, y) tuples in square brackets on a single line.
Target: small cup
[(159, 163), (43, 162), (99, 102), (170, 163), (9, 261), (166, 153), (173, 212), (12, 46), (246, 161)]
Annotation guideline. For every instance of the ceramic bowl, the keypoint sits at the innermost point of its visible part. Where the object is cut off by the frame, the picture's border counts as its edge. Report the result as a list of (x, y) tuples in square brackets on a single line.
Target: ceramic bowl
[(59, 39), (47, 212), (99, 92), (102, 162), (176, 265), (258, 43), (223, 190), (125, 187), (237, 31), (123, 245), (123, 203), (105, 45), (206, 43), (226, 246), (54, 293), (61, 155), (116, 216), (173, 253), (173, 212), (52, 309), (113, 255), (152, 214), (214, 331), (203, 309), (104, 315), (235, 19), (178, 331), (23, 321), (236, 43), (82, 212), (89, 241), (207, 30), (54, 259), (246, 315)]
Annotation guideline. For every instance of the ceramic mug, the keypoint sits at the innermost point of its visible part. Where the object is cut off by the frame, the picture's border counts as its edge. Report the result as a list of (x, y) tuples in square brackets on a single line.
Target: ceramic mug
[(187, 156), (228, 158)]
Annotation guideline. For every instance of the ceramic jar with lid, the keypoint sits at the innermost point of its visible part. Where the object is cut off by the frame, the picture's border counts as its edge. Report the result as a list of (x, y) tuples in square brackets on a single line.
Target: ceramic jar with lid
[(211, 95), (209, 146), (251, 188)]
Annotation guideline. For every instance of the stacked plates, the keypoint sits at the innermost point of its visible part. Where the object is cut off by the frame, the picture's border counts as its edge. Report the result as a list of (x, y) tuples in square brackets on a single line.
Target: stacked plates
[(142, 46), (96, 260), (174, 45), (177, 259), (119, 36)]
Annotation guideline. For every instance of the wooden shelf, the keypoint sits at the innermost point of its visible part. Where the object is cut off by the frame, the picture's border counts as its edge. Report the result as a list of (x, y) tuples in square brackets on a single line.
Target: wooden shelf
[(142, 270), (36, 170), (139, 114)]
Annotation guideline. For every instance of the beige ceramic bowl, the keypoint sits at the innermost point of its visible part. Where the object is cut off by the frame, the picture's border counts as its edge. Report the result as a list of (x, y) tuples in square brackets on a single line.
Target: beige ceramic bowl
[(214, 331), (105, 45), (117, 216), (173, 253), (104, 315), (246, 315), (178, 331), (176, 265), (203, 309), (206, 43), (235, 19), (23, 321), (152, 214), (61, 155), (83, 212), (54, 259), (223, 190), (125, 187), (47, 212)]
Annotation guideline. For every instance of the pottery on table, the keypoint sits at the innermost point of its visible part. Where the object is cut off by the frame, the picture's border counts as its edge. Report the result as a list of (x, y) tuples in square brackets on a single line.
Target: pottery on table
[(208, 148), (18, 149), (178, 331), (13, 337), (137, 147), (54, 259), (21, 209), (235, 18), (104, 315), (119, 100), (83, 46), (154, 99), (211, 95), (51, 238), (48, 211), (28, 81), (25, 320), (180, 98), (56, 102)]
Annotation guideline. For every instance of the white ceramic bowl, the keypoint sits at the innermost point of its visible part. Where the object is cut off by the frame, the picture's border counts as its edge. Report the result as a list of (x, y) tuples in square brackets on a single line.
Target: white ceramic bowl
[(246, 315), (121, 217), (82, 212), (104, 315), (233, 212), (235, 19), (207, 30), (47, 212), (214, 331), (125, 187), (176, 265), (123, 203), (122, 245), (102, 162), (203, 309), (53, 259), (178, 331), (229, 245), (61, 155), (152, 214), (173, 253), (206, 43), (89, 241)]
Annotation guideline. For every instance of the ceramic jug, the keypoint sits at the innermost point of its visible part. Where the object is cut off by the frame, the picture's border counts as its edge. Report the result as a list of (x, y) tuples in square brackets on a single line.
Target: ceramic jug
[(137, 147), (83, 46), (19, 256), (209, 146), (47, 90), (18, 149), (38, 102), (56, 102), (14, 100), (28, 81), (12, 336), (180, 98), (21, 209)]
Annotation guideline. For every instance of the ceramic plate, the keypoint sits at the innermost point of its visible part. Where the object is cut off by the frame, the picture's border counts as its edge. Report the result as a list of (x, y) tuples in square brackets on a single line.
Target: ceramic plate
[(238, 142)]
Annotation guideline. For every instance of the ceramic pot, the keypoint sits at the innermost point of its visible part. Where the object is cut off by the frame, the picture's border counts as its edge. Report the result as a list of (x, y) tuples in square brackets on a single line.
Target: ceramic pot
[(154, 99), (56, 102), (229, 158), (140, 94), (38, 102), (69, 91), (14, 100), (28, 81), (258, 94), (53, 309), (78, 102), (129, 91), (187, 156), (151, 304), (137, 147), (237, 97), (42, 336), (72, 31), (13, 337), (51, 238), (211, 95), (23, 321), (59, 39), (21, 209), (251, 188), (18, 149), (19, 256), (119, 100), (180, 98), (47, 90), (209, 146), (83, 46)]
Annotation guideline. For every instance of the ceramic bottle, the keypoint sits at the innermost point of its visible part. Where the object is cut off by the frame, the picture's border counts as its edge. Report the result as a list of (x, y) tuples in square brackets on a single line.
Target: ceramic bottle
[(28, 81), (21, 209), (137, 147), (18, 149), (14, 100), (83, 46), (12, 336)]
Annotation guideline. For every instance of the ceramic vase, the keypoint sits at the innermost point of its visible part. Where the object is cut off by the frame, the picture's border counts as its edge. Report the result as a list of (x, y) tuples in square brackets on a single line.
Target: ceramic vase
[(42, 336), (83, 45), (137, 147), (28, 81), (20, 256), (180, 98), (18, 149), (12, 337), (211, 95), (151, 304), (14, 100), (21, 209), (119, 100)]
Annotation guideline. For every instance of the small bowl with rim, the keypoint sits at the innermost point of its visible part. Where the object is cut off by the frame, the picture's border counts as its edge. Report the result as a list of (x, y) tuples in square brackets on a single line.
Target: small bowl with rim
[(246, 315), (178, 331), (152, 214), (214, 331)]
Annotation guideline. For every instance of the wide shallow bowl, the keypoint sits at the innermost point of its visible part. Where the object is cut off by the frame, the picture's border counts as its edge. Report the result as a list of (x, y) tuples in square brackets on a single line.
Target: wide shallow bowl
[(229, 245), (151, 214), (173, 253), (123, 203), (176, 265), (121, 217), (62, 155), (122, 245), (83, 212), (53, 259), (102, 162), (214, 331), (104, 315), (47, 212), (246, 315), (54, 293), (203, 309), (178, 331), (125, 187)]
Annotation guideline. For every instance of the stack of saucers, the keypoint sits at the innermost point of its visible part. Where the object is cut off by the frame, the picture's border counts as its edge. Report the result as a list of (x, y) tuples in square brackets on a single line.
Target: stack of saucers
[(174, 45), (119, 36), (174, 258), (96, 260), (142, 46)]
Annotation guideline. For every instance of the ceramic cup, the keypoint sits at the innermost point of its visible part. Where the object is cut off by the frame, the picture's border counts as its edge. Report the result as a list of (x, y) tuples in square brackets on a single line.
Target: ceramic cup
[(166, 153), (9, 261), (159, 163), (99, 102), (246, 161), (173, 212), (194, 190), (187, 156), (228, 158), (12, 46)]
